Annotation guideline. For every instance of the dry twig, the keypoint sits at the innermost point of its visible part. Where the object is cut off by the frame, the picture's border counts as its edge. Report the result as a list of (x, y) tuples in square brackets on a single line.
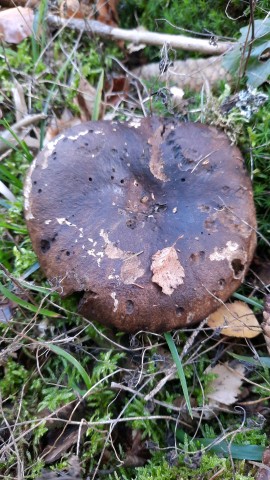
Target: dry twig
[(141, 36)]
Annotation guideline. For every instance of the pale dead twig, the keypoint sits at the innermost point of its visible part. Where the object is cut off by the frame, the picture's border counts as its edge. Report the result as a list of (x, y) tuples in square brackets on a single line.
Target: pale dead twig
[(13, 442), (191, 339), (140, 36), (170, 375), (120, 386)]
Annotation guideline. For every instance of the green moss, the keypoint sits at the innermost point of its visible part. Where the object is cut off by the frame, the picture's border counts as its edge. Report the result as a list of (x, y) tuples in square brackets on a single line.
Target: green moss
[(158, 468), (12, 378)]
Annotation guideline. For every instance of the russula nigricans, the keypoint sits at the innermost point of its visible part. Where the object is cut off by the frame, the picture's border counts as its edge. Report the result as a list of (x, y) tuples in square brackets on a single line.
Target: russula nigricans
[(152, 220)]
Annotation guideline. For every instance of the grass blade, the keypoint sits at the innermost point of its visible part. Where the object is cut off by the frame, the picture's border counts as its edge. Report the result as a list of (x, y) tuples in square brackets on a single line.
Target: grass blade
[(96, 109), (20, 142), (247, 300), (257, 362), (14, 298), (15, 228), (225, 449), (67, 356), (180, 370), (5, 175), (238, 452)]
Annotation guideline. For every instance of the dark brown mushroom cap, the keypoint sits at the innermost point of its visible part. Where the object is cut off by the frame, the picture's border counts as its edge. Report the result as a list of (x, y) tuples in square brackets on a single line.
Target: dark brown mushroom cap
[(152, 221)]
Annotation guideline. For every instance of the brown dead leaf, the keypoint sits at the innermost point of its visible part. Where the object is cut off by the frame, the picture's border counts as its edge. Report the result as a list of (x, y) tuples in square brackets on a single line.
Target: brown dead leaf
[(16, 24), (226, 387), (236, 320), (104, 11), (116, 89), (77, 9), (86, 100), (61, 441), (168, 271), (107, 12), (137, 454)]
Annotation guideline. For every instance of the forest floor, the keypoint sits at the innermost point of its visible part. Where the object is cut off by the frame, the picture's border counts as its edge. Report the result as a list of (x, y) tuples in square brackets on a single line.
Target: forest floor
[(79, 400)]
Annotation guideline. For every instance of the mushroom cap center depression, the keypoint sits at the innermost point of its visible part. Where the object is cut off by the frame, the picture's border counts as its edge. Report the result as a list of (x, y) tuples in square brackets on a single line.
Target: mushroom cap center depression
[(151, 220)]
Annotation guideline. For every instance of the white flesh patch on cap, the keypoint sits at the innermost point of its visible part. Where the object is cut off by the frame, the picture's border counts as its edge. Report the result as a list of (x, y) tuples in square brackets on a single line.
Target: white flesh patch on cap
[(80, 134), (135, 123), (115, 301), (131, 268), (27, 192), (63, 221), (236, 257), (227, 253), (49, 150)]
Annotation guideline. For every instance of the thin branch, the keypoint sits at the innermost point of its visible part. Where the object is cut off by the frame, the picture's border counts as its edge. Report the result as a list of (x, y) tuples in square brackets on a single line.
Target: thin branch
[(137, 36)]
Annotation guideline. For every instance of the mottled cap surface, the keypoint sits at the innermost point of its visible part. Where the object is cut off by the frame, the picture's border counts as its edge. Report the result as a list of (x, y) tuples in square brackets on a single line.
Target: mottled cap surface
[(152, 221)]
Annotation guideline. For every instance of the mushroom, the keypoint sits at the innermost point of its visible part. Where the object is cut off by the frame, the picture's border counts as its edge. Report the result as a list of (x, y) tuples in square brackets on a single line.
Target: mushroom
[(151, 221)]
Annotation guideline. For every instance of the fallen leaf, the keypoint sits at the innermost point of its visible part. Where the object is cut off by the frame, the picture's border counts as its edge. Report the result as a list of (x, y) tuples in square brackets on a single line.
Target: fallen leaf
[(16, 24), (85, 99), (168, 271), (137, 453), (226, 387), (102, 11), (116, 89), (107, 12), (77, 9), (235, 320), (61, 441)]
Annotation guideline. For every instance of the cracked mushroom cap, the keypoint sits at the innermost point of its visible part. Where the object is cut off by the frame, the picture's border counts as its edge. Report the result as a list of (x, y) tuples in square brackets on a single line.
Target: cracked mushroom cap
[(151, 221)]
